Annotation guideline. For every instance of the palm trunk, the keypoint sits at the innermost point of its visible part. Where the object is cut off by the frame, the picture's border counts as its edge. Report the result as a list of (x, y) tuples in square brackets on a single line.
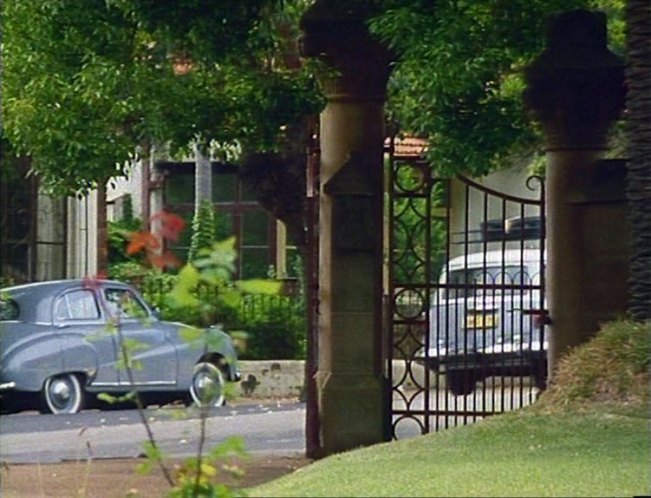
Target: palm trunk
[(202, 176)]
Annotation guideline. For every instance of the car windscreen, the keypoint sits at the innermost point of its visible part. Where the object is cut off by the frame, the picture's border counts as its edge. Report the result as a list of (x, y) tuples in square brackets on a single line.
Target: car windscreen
[(122, 303)]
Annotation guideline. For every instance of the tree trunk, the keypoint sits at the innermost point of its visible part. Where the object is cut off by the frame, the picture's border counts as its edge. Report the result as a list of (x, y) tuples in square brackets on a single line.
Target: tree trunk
[(102, 231), (638, 79)]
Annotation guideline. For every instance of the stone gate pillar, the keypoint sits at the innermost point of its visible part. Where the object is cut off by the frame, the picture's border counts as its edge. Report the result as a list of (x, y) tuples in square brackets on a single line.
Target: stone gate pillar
[(351, 388), (576, 90)]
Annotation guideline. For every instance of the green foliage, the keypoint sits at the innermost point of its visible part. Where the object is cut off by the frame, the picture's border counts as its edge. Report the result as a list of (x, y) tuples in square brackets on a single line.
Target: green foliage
[(65, 100), (273, 328), (211, 271), (269, 326), (204, 229), (6, 281), (154, 286), (208, 29), (198, 476), (206, 290), (119, 234), (459, 77), (128, 271), (414, 232), (204, 294), (86, 81)]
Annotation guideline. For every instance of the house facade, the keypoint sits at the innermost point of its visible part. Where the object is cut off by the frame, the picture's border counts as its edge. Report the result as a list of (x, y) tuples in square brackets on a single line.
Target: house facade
[(44, 237)]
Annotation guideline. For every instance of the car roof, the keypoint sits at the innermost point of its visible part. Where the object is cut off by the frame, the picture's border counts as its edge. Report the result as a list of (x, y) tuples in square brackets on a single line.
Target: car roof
[(35, 299), (494, 258)]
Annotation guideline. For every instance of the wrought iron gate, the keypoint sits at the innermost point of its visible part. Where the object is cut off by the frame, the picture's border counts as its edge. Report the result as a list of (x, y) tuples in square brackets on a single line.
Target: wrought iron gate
[(465, 308)]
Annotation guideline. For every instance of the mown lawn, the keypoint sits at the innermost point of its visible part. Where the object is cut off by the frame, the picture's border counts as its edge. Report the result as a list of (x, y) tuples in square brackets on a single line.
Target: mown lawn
[(525, 453)]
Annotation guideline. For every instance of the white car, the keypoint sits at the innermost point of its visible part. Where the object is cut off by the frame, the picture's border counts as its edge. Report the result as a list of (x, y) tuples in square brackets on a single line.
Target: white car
[(487, 318)]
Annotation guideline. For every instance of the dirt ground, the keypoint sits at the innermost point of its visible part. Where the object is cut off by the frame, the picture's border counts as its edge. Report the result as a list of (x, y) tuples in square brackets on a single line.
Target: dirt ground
[(118, 478)]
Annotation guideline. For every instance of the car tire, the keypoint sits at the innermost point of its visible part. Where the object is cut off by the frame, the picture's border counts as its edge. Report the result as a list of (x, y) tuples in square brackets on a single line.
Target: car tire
[(207, 387), (8, 405), (461, 382), (540, 375), (63, 394)]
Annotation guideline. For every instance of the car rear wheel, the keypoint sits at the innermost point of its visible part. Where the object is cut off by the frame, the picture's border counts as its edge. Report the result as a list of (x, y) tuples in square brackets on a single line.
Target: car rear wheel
[(207, 388), (63, 394)]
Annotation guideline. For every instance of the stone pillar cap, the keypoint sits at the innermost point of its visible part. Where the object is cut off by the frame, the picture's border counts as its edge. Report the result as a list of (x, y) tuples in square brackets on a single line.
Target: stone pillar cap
[(576, 87), (336, 32), (576, 39)]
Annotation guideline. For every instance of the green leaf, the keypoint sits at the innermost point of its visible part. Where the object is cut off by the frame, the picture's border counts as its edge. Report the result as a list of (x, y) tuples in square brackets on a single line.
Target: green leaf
[(230, 298), (232, 446), (181, 297), (107, 398), (152, 452), (190, 334), (188, 277), (259, 286), (144, 468)]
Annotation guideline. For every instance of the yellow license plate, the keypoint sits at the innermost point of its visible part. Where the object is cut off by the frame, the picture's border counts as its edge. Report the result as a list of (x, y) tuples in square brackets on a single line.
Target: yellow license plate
[(481, 321)]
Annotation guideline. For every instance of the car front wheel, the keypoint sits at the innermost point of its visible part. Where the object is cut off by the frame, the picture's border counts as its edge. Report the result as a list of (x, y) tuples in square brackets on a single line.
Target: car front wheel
[(207, 388), (63, 394)]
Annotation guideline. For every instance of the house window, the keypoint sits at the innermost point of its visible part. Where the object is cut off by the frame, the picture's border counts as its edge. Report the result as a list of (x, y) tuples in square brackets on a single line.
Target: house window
[(237, 213), (32, 229), (17, 208)]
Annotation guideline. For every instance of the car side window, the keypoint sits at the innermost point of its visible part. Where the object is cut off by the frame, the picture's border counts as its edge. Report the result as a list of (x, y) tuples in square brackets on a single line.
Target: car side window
[(8, 310), (76, 305), (123, 303)]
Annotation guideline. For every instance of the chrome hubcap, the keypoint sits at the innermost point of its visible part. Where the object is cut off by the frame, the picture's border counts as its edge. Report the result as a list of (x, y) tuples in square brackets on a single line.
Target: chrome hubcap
[(207, 385), (60, 393)]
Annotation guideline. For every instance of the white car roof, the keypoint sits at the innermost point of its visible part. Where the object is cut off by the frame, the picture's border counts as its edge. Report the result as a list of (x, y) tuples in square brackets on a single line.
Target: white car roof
[(508, 257)]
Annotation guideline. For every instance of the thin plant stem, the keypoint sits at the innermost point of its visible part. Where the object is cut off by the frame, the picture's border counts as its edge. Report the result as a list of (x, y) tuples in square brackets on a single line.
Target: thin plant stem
[(126, 358), (204, 408)]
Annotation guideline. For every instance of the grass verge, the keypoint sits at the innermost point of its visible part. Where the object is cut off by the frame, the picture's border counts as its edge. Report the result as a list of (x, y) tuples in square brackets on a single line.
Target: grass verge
[(588, 435), (517, 454)]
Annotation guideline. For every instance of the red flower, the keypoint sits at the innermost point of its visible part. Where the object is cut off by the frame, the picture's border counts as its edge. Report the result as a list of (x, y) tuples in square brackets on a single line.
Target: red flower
[(171, 225), (142, 241), (166, 260)]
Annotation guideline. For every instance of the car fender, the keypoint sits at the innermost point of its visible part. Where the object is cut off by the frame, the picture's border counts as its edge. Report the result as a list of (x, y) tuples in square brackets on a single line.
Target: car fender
[(192, 352), (29, 359)]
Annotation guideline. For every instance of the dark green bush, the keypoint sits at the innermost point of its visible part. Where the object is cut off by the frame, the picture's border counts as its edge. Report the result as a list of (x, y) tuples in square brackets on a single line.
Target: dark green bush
[(275, 328), (131, 272), (612, 368), (119, 233)]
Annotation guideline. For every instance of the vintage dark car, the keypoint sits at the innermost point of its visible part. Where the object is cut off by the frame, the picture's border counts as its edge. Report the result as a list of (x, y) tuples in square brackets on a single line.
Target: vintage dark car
[(61, 343)]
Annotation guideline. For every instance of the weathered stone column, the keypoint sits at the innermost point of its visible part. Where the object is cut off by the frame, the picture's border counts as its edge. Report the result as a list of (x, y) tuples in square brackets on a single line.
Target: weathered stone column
[(576, 90), (352, 391)]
